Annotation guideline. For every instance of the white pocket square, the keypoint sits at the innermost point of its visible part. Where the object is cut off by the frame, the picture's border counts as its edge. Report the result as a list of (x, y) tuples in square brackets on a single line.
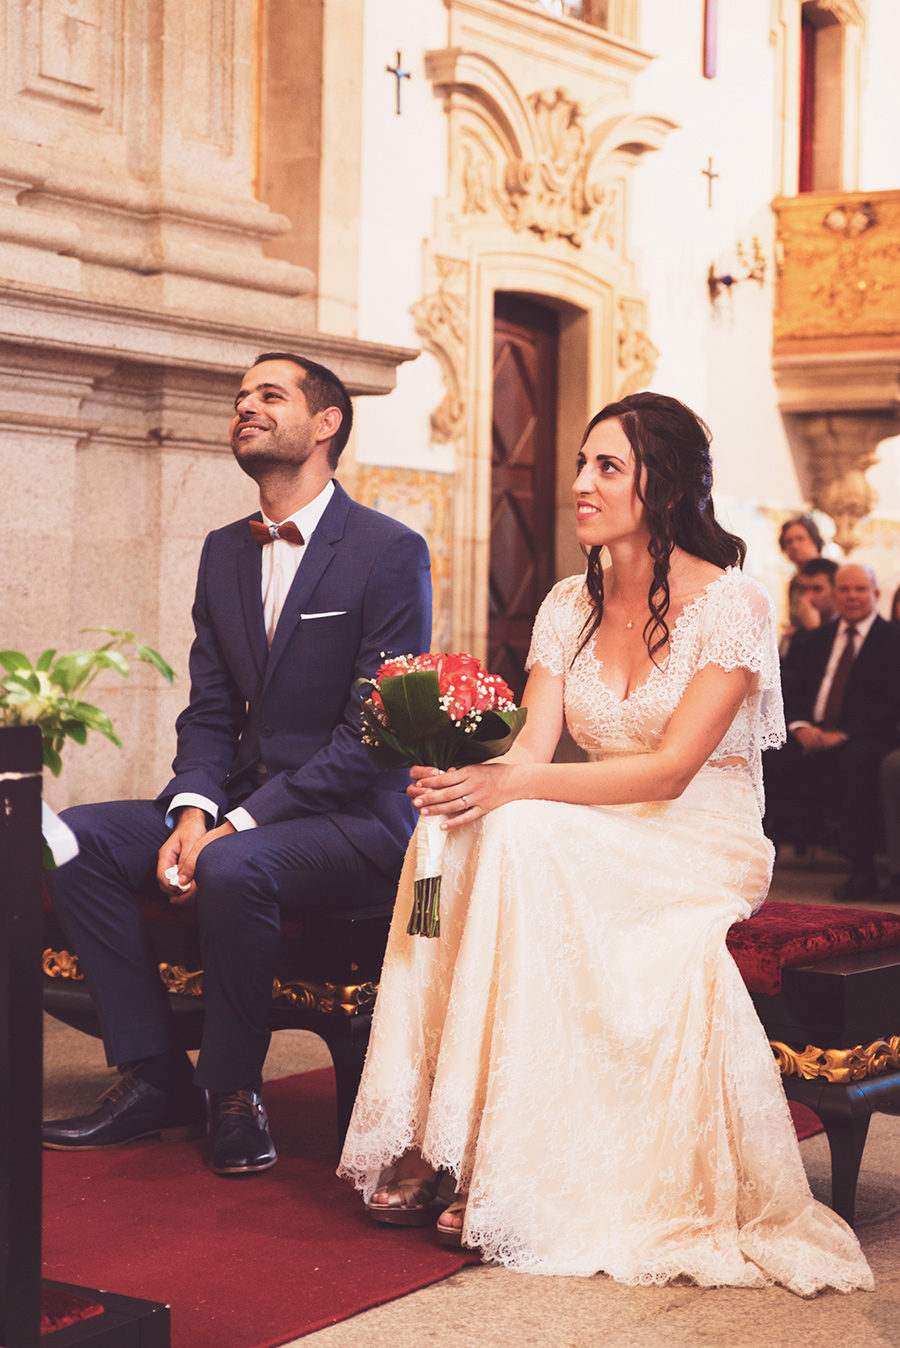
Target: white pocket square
[(332, 613)]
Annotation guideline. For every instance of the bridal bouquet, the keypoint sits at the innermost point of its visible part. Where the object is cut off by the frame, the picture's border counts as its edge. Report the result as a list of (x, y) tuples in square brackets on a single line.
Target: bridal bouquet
[(443, 711)]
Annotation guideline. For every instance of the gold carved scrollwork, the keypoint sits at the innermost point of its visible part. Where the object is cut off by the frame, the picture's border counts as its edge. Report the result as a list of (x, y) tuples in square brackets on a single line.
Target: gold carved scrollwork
[(842, 1065), (327, 998), (441, 323), (179, 979), (839, 266), (344, 999), (347, 999), (636, 353), (61, 964)]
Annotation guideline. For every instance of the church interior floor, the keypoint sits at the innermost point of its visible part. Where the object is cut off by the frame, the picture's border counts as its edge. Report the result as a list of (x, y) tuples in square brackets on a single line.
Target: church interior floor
[(485, 1307)]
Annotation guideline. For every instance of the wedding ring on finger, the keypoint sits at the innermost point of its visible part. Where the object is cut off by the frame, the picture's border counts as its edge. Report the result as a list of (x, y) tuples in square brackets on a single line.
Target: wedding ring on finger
[(465, 804)]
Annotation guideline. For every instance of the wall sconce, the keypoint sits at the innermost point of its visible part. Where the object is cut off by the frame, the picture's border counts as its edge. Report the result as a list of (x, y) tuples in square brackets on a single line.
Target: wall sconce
[(753, 269)]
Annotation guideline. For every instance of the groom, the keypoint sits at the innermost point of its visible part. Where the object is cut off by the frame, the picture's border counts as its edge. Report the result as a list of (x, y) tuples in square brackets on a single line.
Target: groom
[(274, 805)]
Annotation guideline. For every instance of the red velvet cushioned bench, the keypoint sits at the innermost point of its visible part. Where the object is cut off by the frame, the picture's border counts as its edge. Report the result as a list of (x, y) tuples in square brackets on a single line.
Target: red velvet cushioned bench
[(826, 985)]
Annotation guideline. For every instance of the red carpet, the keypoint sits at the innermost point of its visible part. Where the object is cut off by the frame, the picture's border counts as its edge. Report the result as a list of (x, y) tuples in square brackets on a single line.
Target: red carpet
[(806, 1123), (243, 1263)]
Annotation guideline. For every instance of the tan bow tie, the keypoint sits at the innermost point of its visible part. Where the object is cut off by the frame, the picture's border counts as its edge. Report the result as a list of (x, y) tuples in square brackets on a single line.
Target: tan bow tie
[(267, 533)]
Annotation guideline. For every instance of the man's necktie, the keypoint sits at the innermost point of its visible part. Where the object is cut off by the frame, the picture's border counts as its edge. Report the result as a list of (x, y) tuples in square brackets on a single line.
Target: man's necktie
[(835, 699), (267, 533)]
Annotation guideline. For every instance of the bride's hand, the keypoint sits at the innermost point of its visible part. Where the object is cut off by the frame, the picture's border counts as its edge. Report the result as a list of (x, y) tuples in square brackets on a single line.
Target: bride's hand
[(461, 794)]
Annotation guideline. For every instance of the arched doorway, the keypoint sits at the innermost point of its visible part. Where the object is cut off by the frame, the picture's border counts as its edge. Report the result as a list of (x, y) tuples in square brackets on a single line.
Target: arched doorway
[(523, 478)]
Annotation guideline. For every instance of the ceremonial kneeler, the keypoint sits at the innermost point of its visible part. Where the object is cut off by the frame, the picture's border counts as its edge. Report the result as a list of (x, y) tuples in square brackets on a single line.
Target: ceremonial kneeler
[(326, 978), (826, 985)]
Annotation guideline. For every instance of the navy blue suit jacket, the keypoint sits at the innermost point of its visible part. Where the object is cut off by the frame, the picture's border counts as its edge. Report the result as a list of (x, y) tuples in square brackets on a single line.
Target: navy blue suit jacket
[(278, 731), (872, 698)]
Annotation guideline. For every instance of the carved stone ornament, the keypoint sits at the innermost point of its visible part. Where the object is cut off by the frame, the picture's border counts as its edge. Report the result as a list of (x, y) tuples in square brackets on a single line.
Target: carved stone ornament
[(543, 162), (842, 1065), (636, 355), (441, 323), (840, 449), (850, 12)]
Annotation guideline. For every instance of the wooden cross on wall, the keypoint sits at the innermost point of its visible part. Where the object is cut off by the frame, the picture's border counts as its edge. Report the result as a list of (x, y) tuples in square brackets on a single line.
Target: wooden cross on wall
[(399, 74), (710, 175)]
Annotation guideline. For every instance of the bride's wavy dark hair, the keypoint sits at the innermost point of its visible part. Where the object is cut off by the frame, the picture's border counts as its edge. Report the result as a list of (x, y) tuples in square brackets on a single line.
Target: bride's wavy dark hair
[(671, 445)]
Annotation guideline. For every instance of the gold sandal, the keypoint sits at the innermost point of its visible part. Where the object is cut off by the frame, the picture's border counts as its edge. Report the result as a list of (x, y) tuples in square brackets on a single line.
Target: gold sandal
[(452, 1235), (418, 1201)]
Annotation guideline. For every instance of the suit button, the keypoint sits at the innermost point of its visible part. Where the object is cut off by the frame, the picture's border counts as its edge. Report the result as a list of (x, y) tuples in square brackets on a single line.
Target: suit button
[(265, 731)]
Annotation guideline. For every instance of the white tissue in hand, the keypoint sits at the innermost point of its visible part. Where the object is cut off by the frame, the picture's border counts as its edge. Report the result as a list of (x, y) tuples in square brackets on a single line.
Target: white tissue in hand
[(172, 877)]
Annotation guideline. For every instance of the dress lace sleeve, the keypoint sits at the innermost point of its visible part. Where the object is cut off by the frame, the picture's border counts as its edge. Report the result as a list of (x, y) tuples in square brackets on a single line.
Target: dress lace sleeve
[(553, 627), (739, 632)]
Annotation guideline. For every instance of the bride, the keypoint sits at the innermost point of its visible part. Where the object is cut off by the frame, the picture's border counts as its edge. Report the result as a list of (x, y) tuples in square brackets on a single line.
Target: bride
[(577, 1049)]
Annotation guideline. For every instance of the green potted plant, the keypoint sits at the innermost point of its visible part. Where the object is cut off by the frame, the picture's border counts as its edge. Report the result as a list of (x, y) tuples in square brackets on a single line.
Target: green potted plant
[(50, 693)]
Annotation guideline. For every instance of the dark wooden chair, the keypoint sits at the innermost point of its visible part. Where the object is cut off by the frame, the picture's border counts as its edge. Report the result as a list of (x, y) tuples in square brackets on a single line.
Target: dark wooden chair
[(326, 980)]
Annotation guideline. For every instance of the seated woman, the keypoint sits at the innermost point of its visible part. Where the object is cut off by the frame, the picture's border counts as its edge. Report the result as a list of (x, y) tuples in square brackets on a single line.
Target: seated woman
[(577, 1049), (800, 541)]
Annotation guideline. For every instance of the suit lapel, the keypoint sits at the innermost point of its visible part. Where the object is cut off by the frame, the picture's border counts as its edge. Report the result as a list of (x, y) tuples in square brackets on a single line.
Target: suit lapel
[(317, 558), (249, 578)]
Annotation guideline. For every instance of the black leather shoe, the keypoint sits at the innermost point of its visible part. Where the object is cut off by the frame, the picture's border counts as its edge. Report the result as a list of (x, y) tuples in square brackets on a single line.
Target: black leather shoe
[(241, 1141), (130, 1109), (861, 886)]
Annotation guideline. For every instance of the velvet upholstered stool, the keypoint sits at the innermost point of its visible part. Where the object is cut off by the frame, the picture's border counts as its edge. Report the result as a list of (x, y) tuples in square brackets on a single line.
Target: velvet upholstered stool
[(826, 985)]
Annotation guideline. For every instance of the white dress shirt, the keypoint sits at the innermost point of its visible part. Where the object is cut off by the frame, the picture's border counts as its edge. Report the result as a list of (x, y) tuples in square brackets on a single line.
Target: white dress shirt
[(863, 628)]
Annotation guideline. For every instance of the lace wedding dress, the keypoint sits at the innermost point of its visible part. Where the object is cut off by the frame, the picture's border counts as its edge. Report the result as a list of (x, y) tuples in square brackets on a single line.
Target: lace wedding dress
[(577, 1047)]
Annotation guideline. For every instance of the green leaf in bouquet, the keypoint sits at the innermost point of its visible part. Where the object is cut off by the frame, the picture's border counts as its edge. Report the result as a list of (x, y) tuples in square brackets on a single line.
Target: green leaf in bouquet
[(384, 749), (497, 730), (413, 707), (45, 660)]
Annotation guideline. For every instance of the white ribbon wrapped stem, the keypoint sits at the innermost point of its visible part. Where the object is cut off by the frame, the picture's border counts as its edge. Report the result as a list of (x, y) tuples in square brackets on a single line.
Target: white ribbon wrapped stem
[(430, 840)]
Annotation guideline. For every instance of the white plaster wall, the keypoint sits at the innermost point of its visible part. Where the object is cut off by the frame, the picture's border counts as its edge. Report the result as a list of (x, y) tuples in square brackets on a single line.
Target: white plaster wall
[(404, 172), (717, 356), (713, 356)]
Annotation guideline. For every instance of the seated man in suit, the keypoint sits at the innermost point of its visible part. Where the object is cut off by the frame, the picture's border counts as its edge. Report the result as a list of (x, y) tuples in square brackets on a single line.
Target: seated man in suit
[(842, 706), (274, 804), (814, 584)]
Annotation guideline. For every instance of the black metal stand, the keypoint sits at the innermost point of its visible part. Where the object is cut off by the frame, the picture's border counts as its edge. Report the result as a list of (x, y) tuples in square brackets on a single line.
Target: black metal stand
[(125, 1322)]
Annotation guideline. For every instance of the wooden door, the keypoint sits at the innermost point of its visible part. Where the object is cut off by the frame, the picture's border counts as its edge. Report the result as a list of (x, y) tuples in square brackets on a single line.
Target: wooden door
[(523, 479)]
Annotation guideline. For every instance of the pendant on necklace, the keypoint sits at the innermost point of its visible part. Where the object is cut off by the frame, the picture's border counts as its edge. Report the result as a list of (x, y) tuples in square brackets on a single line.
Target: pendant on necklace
[(629, 624)]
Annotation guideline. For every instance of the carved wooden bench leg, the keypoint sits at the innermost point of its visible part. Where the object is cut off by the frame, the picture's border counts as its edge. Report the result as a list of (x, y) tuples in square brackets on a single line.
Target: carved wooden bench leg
[(844, 1114), (348, 1053)]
